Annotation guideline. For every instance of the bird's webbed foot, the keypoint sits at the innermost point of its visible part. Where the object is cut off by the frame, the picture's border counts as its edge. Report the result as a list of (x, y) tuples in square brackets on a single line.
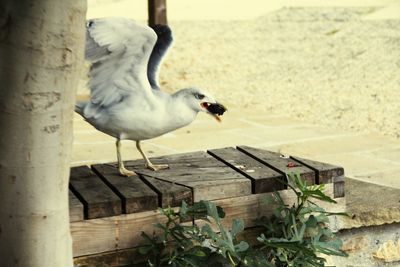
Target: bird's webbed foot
[(157, 167), (126, 172)]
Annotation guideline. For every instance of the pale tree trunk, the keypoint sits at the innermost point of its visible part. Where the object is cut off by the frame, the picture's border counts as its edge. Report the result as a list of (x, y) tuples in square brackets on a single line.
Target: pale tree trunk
[(41, 51)]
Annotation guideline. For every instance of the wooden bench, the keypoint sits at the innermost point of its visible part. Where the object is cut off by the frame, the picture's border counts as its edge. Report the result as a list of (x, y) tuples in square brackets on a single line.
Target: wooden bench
[(108, 212)]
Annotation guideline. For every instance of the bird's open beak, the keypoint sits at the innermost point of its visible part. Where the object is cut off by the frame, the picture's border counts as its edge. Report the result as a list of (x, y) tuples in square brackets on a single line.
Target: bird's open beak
[(214, 109)]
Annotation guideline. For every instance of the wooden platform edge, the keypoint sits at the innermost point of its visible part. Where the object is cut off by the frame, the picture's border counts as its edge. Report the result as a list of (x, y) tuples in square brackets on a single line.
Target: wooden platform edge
[(123, 231)]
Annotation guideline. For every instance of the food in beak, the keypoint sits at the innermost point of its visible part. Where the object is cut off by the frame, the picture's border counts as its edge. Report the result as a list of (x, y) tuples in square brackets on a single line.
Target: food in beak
[(216, 109)]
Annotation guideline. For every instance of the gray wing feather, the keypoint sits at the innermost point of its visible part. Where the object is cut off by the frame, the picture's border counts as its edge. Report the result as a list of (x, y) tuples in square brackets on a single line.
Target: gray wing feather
[(118, 50)]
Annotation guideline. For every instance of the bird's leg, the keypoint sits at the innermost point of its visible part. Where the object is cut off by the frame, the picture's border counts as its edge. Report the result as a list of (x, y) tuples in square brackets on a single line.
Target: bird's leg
[(122, 170), (148, 163)]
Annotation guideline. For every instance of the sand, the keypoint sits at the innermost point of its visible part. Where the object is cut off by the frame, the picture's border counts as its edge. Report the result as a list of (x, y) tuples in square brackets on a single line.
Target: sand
[(323, 65)]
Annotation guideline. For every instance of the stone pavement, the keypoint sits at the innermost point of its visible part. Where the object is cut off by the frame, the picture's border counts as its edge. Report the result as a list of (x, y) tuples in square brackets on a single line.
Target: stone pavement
[(367, 157)]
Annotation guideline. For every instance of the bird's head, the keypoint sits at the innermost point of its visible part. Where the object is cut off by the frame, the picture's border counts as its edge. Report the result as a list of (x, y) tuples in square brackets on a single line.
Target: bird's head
[(201, 101)]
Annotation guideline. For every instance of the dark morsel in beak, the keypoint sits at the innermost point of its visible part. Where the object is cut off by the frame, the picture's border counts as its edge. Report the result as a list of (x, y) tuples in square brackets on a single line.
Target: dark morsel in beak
[(217, 109)]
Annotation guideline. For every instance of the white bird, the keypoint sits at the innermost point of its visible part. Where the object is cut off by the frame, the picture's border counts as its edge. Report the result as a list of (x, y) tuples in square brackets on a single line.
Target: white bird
[(125, 100)]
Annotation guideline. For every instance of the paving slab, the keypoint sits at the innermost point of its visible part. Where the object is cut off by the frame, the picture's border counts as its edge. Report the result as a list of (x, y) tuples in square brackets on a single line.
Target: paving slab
[(368, 157), (346, 143)]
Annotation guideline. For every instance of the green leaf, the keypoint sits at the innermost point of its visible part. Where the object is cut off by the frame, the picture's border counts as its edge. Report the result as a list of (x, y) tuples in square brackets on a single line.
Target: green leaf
[(184, 208), (206, 229), (145, 250), (242, 246), (237, 227)]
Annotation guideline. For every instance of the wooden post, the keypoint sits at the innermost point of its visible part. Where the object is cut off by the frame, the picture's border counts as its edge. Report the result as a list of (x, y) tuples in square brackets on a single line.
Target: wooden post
[(157, 12)]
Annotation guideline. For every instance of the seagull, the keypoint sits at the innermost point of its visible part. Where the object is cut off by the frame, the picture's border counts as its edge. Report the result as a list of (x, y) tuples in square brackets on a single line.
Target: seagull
[(125, 97)]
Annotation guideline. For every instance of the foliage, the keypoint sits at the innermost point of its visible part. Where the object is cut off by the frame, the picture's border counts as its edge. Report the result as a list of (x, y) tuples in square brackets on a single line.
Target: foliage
[(292, 236), (191, 245), (296, 235)]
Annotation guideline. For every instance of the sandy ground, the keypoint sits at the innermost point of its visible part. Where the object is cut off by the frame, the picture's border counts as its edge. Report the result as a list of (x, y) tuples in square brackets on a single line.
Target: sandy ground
[(335, 66)]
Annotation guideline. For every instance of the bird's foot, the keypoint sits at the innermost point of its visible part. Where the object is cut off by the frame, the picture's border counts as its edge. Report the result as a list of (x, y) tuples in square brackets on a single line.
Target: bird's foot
[(157, 167), (125, 172)]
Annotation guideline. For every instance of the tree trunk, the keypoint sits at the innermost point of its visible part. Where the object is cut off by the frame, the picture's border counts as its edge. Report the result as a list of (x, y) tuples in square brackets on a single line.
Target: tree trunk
[(41, 52)]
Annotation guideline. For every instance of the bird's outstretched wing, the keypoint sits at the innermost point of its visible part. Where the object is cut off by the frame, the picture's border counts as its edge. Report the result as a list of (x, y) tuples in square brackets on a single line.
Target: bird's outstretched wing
[(164, 41), (119, 51)]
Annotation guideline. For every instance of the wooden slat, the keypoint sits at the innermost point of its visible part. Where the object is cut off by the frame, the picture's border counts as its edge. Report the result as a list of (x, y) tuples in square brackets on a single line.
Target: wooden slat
[(280, 164), (127, 257), (209, 178), (170, 194), (326, 173), (113, 233), (251, 207), (136, 196), (98, 199), (264, 179), (75, 208), (339, 187)]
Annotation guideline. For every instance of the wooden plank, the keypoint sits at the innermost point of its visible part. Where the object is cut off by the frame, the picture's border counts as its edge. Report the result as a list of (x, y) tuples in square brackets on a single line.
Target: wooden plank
[(93, 236), (157, 10), (133, 258), (326, 173), (113, 233), (252, 207), (98, 199), (191, 159), (123, 231), (264, 179), (127, 257), (136, 196), (281, 164), (75, 208), (209, 178), (170, 194), (339, 187)]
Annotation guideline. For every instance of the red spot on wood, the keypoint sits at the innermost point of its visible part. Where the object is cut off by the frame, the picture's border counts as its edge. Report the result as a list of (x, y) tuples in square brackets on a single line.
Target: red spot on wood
[(291, 165)]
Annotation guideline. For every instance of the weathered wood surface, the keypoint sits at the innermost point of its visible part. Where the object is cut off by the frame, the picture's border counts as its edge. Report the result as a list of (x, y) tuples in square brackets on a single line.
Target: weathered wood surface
[(113, 233), (326, 173), (157, 10), (122, 232), (218, 174), (97, 198), (208, 178), (75, 208), (276, 161), (135, 195), (170, 194), (264, 179)]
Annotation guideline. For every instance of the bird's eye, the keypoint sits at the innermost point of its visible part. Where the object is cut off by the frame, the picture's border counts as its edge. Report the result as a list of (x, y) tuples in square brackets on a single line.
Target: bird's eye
[(199, 96)]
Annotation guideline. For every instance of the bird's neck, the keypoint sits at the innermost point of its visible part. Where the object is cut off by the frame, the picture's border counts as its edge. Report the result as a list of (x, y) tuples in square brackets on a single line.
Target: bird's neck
[(179, 112)]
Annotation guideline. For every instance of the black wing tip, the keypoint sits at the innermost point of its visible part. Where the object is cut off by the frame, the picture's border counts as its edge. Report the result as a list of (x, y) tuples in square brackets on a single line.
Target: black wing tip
[(160, 28), (163, 31)]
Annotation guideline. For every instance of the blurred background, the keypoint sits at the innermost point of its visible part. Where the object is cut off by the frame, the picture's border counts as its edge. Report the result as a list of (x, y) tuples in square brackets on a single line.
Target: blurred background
[(334, 63)]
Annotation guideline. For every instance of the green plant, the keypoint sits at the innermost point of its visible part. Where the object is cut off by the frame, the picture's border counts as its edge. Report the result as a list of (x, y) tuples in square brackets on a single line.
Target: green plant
[(294, 236), (191, 245)]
